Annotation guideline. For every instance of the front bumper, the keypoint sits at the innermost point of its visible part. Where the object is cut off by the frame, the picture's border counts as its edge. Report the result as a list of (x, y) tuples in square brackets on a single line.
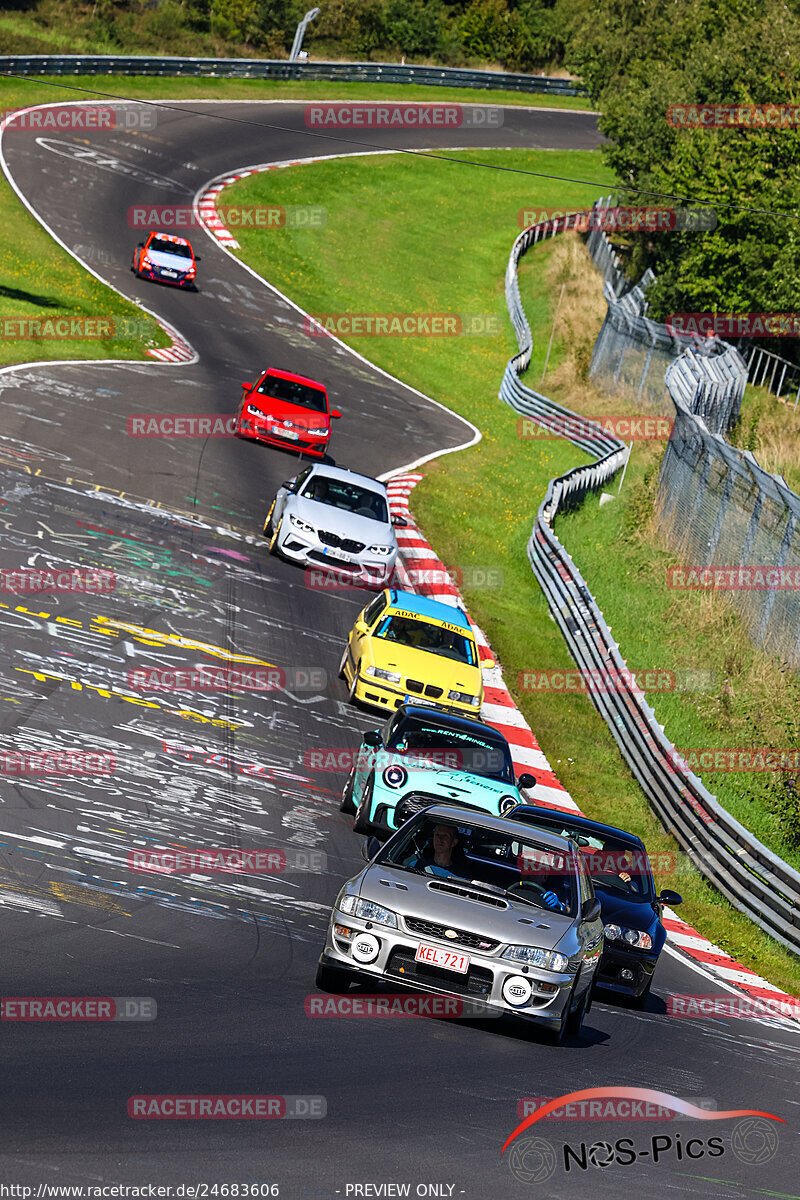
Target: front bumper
[(396, 964), (626, 972), (313, 447), (307, 550), (155, 274), (377, 693)]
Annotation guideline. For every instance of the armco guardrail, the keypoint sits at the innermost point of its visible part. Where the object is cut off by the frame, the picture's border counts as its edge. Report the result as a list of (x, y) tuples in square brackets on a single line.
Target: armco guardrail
[(280, 68), (754, 879)]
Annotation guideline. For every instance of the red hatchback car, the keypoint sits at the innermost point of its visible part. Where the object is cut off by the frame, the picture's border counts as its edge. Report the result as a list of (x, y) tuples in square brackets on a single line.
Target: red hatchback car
[(286, 410)]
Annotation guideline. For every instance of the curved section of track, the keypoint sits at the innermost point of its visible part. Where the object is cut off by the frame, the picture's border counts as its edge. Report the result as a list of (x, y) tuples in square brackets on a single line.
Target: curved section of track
[(230, 960)]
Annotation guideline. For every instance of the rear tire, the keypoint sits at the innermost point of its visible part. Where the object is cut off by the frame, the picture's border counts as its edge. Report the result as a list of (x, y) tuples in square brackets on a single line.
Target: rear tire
[(332, 979)]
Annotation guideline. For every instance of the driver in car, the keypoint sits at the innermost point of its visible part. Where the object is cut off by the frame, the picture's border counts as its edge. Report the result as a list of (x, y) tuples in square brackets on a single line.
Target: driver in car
[(442, 856)]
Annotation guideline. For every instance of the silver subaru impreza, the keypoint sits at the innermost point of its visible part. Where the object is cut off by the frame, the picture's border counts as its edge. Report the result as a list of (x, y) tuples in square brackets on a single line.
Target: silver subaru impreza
[(464, 904)]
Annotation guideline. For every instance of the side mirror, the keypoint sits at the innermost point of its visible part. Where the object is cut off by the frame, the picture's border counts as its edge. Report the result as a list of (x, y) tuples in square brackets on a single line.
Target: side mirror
[(334, 414), (369, 848), (248, 387), (372, 738), (487, 664), (527, 781), (288, 485), (590, 910), (670, 897), (399, 522), (360, 628), (140, 245), (197, 258)]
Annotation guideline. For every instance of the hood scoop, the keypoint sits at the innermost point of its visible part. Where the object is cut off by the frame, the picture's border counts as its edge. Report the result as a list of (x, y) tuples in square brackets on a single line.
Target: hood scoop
[(468, 893), (392, 883)]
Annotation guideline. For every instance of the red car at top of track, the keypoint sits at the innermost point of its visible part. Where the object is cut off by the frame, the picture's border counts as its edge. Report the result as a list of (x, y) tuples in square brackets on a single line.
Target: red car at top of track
[(167, 258), (286, 410)]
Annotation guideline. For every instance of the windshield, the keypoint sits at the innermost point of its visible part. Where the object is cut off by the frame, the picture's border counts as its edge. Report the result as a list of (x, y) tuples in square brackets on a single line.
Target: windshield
[(339, 493), (454, 749), (614, 865), (163, 247), (292, 392), (433, 638), (516, 864)]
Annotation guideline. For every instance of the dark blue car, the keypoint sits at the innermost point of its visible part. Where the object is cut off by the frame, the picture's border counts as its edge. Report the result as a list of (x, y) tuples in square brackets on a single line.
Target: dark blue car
[(631, 910)]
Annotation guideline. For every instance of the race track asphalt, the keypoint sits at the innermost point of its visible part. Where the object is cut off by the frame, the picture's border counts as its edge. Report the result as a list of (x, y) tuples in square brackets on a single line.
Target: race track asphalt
[(230, 960)]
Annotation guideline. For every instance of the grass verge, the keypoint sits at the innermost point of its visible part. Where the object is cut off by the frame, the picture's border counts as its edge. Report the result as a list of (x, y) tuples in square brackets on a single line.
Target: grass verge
[(434, 233)]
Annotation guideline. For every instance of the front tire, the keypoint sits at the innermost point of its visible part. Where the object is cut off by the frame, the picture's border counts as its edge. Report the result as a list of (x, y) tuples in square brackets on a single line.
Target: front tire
[(268, 530), (574, 1023), (273, 543), (342, 664), (351, 693), (361, 823), (332, 979), (347, 805)]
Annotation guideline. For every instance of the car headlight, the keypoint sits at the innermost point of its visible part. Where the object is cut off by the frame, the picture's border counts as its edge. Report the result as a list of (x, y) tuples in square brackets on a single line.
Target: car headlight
[(368, 911), (464, 697), (380, 673), (631, 937), (507, 804), (395, 776), (317, 432), (298, 524), (381, 549), (549, 960), (254, 412)]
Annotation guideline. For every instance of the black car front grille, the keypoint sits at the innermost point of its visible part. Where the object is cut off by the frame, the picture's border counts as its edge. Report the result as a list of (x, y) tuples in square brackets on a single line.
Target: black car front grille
[(346, 544), (433, 692), (432, 929), (402, 964), (415, 685)]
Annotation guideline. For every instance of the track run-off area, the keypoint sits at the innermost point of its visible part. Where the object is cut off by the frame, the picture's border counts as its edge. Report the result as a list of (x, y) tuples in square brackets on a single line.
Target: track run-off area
[(229, 959)]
